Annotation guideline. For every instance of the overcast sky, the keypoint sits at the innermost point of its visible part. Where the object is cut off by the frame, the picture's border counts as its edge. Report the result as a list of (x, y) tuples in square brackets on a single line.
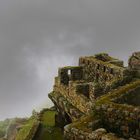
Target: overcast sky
[(38, 36)]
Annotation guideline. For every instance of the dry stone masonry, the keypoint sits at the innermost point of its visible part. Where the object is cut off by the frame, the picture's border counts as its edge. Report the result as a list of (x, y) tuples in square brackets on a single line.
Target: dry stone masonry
[(99, 99)]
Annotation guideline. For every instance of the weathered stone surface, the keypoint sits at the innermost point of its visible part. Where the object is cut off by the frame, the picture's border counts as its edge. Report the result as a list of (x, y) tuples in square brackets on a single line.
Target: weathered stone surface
[(134, 63), (99, 99)]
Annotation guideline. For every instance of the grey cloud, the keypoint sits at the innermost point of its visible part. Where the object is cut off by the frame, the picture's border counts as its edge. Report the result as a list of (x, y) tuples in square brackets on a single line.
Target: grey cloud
[(37, 37)]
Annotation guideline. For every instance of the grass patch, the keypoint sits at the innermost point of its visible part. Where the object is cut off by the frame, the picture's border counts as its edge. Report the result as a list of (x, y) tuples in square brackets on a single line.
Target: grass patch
[(25, 131), (48, 130), (48, 118)]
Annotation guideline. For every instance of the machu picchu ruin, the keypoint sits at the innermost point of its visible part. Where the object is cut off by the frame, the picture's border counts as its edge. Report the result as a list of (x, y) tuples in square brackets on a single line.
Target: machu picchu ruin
[(99, 99)]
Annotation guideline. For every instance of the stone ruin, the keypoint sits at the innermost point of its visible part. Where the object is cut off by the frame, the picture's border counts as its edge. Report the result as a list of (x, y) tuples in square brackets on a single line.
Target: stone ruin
[(99, 99)]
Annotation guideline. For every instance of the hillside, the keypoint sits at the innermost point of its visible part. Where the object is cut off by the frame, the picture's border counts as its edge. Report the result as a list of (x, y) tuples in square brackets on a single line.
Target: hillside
[(39, 127), (9, 127), (3, 127)]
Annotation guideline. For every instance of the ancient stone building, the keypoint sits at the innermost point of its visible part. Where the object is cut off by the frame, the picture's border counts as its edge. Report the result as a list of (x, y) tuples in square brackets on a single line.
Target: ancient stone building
[(99, 99)]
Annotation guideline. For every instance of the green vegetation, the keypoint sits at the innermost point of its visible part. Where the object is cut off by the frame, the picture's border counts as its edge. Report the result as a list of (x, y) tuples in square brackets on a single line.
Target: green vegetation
[(48, 130), (26, 130), (9, 125), (35, 129), (3, 126), (48, 118)]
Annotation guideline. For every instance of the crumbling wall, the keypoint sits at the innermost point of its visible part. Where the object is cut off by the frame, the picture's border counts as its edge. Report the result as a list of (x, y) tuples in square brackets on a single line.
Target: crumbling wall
[(73, 95), (105, 71)]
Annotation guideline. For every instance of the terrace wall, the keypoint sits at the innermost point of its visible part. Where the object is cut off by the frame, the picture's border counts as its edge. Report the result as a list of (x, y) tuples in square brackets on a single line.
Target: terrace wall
[(122, 119)]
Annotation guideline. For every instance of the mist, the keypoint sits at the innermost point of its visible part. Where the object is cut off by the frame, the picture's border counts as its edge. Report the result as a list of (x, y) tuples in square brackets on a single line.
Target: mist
[(37, 37)]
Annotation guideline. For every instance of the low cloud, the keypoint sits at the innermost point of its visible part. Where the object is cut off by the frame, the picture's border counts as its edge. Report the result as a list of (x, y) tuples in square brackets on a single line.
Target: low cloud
[(38, 37)]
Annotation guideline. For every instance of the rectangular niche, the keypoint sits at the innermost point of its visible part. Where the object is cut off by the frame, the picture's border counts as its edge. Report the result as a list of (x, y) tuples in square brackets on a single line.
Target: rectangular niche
[(83, 89)]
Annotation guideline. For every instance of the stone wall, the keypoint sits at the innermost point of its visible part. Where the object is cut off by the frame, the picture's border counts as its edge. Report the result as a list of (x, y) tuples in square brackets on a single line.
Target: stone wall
[(134, 63), (99, 134), (103, 71), (124, 122), (70, 73), (73, 95), (88, 128), (121, 119), (132, 97), (94, 76), (65, 108)]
